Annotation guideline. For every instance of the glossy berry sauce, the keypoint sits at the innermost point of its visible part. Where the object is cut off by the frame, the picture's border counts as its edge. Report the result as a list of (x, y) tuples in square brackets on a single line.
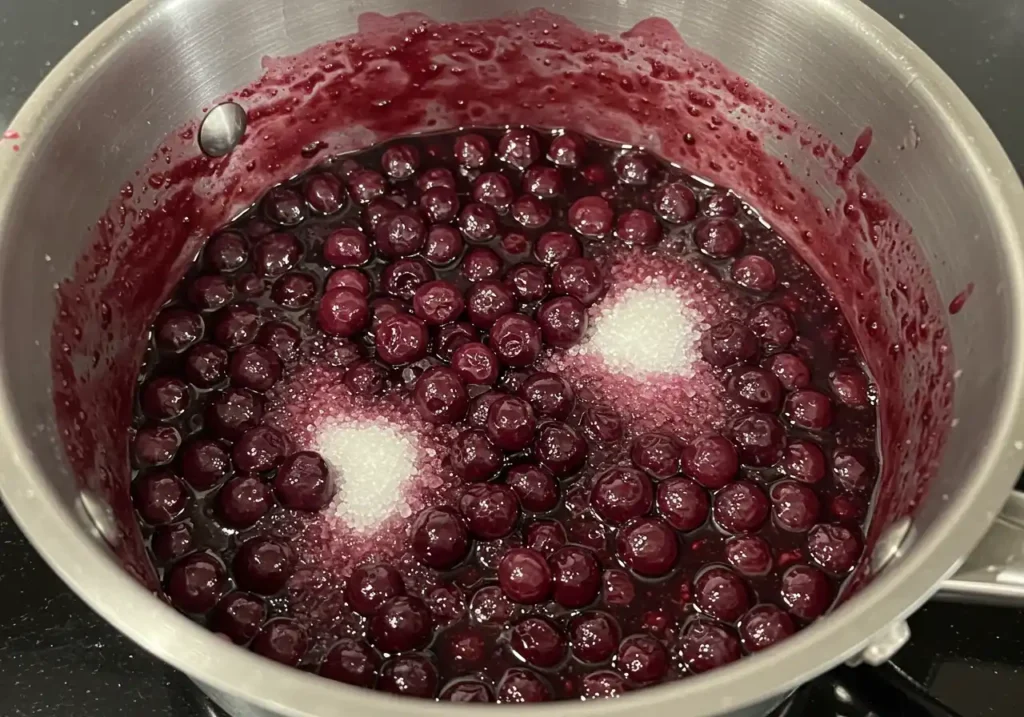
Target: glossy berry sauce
[(502, 415)]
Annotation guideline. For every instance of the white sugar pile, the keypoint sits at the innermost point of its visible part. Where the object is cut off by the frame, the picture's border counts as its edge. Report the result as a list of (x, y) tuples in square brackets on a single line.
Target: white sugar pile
[(372, 461), (646, 332)]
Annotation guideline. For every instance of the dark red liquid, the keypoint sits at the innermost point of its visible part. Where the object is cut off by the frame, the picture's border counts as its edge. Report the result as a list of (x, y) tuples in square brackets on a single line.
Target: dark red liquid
[(730, 519)]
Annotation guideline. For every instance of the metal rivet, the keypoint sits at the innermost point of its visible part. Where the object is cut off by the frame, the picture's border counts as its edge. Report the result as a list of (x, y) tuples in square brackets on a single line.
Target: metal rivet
[(886, 643), (222, 129), (893, 541), (98, 518)]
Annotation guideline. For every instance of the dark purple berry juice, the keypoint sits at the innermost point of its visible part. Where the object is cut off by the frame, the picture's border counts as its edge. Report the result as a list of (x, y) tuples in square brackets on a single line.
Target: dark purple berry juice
[(503, 415)]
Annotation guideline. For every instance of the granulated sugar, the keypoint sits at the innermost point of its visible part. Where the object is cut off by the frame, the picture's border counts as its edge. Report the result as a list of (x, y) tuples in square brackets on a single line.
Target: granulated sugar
[(373, 462), (387, 465), (648, 331), (642, 353)]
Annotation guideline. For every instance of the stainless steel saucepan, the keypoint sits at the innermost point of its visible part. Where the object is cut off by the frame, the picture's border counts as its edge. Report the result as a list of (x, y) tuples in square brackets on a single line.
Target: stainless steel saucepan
[(157, 65)]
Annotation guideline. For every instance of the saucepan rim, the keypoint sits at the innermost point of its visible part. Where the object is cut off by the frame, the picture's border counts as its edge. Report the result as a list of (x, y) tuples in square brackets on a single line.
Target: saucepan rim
[(91, 571)]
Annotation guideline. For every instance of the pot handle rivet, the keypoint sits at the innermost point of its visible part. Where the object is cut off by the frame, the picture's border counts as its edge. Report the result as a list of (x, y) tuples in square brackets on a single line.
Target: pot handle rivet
[(222, 129), (98, 518), (892, 543), (883, 645)]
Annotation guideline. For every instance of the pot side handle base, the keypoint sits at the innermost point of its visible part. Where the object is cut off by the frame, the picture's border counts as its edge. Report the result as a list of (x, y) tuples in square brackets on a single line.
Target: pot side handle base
[(993, 573)]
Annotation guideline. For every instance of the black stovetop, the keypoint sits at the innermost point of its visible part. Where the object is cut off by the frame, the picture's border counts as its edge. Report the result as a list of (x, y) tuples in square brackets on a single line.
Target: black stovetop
[(58, 658)]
